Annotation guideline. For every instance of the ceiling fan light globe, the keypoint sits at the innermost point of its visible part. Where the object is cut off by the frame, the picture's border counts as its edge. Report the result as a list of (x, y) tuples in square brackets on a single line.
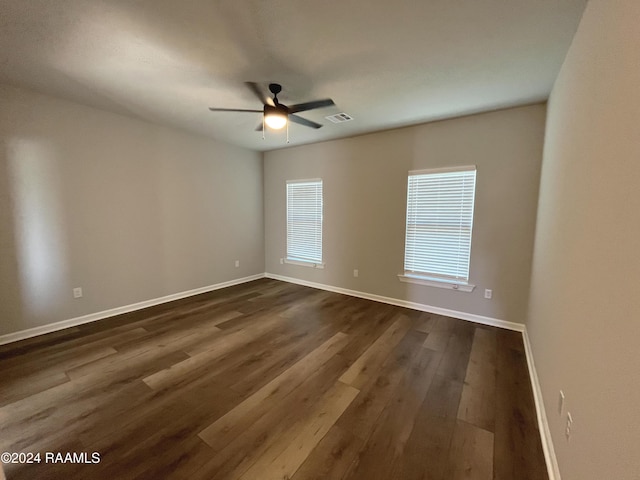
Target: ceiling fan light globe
[(275, 120)]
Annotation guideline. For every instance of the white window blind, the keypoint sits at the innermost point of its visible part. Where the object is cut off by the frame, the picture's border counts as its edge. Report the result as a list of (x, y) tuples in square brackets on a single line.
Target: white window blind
[(439, 223), (304, 221)]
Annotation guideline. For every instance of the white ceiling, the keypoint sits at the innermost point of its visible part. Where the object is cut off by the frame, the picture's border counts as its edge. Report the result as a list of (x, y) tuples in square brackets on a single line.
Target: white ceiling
[(385, 63)]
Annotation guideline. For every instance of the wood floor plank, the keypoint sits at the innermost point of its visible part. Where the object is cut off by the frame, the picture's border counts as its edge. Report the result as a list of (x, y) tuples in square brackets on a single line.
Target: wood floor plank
[(425, 322), (471, 453), (171, 465), (364, 327), (299, 344), (366, 366), (444, 397), (426, 452), (477, 405), (282, 301), (439, 333), (179, 338), (218, 434), (211, 364), (383, 453), (311, 303), (259, 356), (517, 447), (184, 312), (133, 407), (363, 413), (331, 459), (69, 353), (133, 448), (17, 386), (284, 457), (120, 361), (270, 423), (233, 336), (212, 313), (204, 354), (46, 417), (38, 344), (510, 340), (455, 358)]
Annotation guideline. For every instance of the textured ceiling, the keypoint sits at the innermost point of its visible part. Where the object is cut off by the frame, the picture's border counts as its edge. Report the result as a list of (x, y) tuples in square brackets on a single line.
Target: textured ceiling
[(387, 64)]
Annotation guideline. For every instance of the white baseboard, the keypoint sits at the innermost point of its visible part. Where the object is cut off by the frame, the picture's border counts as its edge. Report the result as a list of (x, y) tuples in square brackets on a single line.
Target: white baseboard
[(92, 317), (404, 303), (543, 425)]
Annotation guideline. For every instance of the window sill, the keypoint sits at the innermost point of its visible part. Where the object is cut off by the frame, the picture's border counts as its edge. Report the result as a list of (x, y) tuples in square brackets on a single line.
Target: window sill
[(436, 282), (303, 263)]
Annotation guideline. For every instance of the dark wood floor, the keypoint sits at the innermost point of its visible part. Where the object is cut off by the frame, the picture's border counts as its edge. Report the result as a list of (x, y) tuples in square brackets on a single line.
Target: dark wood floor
[(269, 380)]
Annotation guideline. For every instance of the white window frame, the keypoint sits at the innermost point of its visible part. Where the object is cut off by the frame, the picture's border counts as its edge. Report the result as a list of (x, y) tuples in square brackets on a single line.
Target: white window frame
[(438, 278), (298, 257)]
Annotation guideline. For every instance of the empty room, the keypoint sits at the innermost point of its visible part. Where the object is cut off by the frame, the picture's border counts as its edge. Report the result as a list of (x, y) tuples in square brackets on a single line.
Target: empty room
[(339, 240)]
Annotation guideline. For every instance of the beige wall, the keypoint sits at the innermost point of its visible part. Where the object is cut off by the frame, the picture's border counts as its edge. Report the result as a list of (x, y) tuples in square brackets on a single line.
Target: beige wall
[(365, 183), (127, 210), (584, 319)]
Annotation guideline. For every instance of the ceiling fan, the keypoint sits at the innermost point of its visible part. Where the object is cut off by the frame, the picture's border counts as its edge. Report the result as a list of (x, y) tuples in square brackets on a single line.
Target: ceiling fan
[(275, 114)]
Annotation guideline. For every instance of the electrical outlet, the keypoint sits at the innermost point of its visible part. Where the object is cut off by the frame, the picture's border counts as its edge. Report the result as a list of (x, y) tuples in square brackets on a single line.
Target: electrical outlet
[(77, 292), (488, 293), (567, 431), (282, 261), (355, 273), (237, 263), (561, 403)]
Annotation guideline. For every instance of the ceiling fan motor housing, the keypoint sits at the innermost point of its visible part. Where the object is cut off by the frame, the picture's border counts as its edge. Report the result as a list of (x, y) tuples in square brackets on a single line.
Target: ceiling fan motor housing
[(277, 109)]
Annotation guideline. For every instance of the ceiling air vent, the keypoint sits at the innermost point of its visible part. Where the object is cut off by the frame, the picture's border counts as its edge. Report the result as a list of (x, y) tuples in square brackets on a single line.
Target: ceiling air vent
[(339, 117)]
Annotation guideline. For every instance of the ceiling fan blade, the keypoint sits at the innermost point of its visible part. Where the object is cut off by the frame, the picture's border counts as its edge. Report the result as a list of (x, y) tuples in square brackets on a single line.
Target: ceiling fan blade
[(303, 107), (303, 121), (257, 91), (213, 109)]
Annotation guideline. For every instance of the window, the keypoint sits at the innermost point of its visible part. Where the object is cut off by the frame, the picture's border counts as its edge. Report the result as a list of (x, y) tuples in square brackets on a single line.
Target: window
[(439, 225), (304, 222)]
